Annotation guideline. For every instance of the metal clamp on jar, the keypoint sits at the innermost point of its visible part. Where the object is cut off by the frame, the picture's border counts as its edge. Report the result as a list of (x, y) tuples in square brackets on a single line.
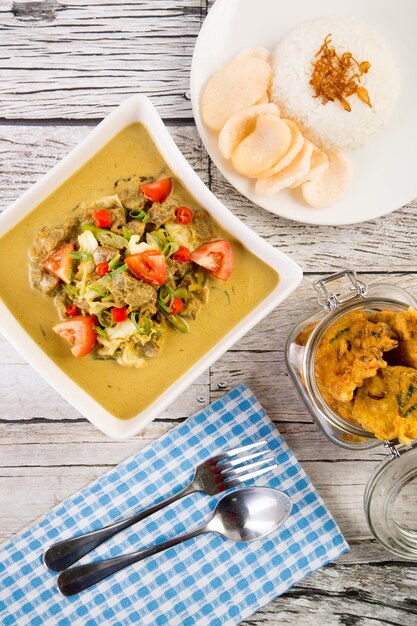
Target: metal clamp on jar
[(390, 498)]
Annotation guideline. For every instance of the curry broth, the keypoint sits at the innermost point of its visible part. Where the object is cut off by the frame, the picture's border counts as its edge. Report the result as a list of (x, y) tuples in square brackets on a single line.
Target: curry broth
[(124, 391)]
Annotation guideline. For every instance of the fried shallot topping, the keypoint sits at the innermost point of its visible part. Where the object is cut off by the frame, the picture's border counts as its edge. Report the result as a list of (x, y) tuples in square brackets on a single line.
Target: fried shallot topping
[(337, 77)]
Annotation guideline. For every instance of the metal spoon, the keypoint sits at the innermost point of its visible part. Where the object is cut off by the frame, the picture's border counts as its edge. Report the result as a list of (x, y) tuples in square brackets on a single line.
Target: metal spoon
[(244, 515)]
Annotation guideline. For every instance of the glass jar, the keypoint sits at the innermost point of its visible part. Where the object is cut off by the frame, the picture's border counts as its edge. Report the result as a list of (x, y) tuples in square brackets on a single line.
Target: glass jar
[(387, 497)]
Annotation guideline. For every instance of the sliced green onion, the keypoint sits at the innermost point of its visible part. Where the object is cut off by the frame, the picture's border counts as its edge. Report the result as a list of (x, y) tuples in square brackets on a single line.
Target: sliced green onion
[(113, 263), (165, 298), (91, 227), (139, 215), (126, 233), (80, 255), (119, 270), (178, 323), (141, 323), (100, 285), (73, 269), (71, 291), (170, 248), (226, 293), (106, 319), (182, 293), (201, 278), (100, 331), (107, 237)]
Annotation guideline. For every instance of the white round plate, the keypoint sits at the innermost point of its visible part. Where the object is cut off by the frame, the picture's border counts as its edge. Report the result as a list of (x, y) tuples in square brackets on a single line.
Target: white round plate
[(385, 170)]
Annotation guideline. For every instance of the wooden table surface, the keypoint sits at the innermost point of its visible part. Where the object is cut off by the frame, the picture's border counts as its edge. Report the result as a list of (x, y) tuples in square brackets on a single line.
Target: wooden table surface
[(64, 64)]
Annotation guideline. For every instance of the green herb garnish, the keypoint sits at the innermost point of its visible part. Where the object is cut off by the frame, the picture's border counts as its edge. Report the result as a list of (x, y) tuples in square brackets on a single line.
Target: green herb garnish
[(410, 410), (119, 270), (339, 334), (113, 263), (141, 323), (106, 319), (177, 322), (80, 255), (107, 237), (100, 331), (139, 215), (126, 233)]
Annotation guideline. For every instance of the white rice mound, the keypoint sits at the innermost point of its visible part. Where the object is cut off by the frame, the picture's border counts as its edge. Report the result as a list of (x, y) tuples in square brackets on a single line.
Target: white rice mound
[(329, 125)]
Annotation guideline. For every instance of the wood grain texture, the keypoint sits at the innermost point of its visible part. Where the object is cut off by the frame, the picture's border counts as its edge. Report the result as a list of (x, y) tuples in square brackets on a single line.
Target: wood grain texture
[(76, 59), (64, 64)]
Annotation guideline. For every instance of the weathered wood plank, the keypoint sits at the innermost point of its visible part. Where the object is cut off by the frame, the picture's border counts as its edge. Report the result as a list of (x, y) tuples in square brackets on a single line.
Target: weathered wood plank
[(77, 59), (346, 596), (28, 151)]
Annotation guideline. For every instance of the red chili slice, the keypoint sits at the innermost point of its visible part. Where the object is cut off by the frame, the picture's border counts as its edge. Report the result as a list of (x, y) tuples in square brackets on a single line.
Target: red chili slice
[(176, 306), (102, 218), (72, 310), (182, 255), (183, 215), (102, 269), (119, 314)]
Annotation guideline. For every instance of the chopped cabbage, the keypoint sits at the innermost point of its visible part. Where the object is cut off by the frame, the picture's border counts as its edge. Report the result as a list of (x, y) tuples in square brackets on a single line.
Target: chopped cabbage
[(135, 247), (154, 240), (181, 234), (108, 202), (87, 242), (129, 356), (121, 331), (85, 269), (94, 308)]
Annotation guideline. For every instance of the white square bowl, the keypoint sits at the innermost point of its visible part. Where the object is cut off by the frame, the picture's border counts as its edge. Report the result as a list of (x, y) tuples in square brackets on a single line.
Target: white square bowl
[(140, 109)]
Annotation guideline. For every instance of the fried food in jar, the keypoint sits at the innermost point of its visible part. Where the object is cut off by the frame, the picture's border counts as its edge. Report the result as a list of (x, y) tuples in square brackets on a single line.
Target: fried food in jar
[(350, 352), (386, 404), (404, 324)]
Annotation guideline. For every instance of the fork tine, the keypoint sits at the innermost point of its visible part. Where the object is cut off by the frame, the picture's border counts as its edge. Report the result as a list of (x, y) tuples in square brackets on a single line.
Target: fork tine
[(235, 451), (222, 465), (237, 480), (244, 469)]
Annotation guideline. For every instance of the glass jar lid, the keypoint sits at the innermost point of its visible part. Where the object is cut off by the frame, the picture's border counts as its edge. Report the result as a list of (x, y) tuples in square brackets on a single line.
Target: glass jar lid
[(390, 502)]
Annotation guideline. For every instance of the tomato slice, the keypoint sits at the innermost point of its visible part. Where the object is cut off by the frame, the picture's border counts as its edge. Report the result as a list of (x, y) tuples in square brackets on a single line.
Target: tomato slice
[(183, 215), (149, 266), (216, 257), (80, 333), (182, 255), (157, 191), (59, 263)]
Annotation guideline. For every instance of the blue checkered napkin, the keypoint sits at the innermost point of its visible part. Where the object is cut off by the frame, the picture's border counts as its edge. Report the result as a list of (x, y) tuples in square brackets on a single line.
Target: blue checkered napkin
[(206, 581)]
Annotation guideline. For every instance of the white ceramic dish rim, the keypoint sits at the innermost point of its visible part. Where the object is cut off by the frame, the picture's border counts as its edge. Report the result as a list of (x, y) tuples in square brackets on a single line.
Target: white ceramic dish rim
[(335, 215), (139, 109)]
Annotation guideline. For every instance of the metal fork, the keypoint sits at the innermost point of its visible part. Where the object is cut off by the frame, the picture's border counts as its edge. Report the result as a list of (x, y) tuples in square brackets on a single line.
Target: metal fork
[(212, 477)]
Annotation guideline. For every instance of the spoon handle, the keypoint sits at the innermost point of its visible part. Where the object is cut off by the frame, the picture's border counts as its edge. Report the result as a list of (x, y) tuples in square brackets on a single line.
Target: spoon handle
[(65, 553), (77, 579)]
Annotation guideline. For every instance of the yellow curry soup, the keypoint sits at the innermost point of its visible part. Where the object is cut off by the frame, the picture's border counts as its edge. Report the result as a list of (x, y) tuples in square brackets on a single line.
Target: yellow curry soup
[(124, 391)]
